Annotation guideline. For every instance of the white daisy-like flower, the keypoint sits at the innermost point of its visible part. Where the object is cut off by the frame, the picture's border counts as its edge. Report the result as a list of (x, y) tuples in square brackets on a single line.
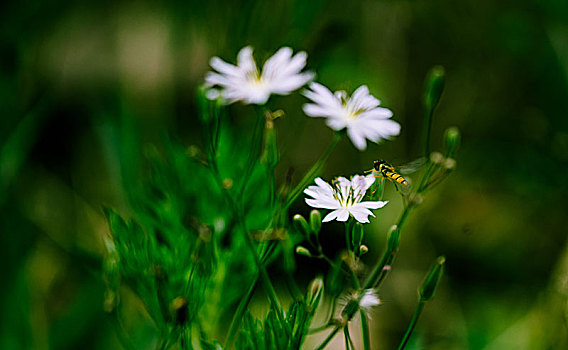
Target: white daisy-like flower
[(281, 74), (360, 114), (344, 197)]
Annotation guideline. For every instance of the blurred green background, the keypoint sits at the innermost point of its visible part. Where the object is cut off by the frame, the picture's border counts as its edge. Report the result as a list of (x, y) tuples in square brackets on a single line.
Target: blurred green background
[(73, 74)]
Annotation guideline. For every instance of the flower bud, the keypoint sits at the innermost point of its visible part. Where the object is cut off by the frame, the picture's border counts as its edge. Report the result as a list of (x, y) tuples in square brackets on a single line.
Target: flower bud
[(452, 140), (270, 155), (428, 288), (449, 163), (227, 183), (393, 239), (350, 309), (416, 200), (179, 310), (363, 249), (436, 157), (302, 225), (315, 293), (435, 82), (303, 251), (315, 221)]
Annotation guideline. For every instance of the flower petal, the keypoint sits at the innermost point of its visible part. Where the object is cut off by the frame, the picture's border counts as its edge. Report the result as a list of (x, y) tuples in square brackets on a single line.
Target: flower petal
[(245, 61), (342, 215), (223, 67), (316, 203), (361, 100), (331, 216), (372, 205), (357, 138)]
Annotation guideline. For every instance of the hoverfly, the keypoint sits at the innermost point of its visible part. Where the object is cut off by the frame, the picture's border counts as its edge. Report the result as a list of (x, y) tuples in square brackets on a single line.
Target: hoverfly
[(387, 170), (383, 169)]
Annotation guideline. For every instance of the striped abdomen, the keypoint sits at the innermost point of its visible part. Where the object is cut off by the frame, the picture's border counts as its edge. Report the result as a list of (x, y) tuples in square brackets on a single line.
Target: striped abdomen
[(395, 177)]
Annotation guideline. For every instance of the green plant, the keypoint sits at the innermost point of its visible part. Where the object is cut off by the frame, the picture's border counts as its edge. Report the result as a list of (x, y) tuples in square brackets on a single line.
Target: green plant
[(206, 222)]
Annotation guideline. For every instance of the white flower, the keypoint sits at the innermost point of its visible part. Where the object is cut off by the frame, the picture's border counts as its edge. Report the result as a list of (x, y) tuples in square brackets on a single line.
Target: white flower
[(344, 197), (359, 113), (368, 299), (280, 75), (359, 300)]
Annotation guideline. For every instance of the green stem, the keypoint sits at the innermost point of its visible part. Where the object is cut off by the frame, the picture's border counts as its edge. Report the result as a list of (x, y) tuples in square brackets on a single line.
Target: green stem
[(236, 322), (348, 227), (319, 329), (365, 330), (293, 287), (254, 153), (348, 341), (379, 272), (312, 172), (412, 324), (263, 275), (271, 185), (354, 281), (404, 216), (329, 337), (270, 291), (427, 130)]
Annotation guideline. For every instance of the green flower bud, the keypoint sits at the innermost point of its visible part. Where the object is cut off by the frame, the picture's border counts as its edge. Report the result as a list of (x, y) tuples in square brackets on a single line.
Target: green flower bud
[(302, 225), (452, 140), (363, 249), (449, 163), (315, 293), (179, 310), (315, 221), (428, 288), (303, 251), (393, 239), (435, 82), (270, 155), (350, 309), (436, 157)]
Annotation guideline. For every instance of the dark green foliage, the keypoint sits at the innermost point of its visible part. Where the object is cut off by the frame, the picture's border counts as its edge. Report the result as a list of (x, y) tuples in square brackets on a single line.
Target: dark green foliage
[(274, 334)]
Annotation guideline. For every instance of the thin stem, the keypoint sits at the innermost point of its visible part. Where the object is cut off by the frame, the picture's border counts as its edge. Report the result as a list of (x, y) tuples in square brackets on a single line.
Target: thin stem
[(426, 177), (329, 337), (270, 291), (256, 145), (365, 330), (348, 225), (271, 185), (348, 341), (312, 172), (412, 324), (354, 280), (293, 287), (263, 275), (319, 329), (236, 322), (404, 216), (427, 131), (379, 272)]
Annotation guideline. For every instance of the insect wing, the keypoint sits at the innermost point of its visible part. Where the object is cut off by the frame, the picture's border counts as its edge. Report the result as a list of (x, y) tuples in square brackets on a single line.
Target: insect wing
[(411, 167)]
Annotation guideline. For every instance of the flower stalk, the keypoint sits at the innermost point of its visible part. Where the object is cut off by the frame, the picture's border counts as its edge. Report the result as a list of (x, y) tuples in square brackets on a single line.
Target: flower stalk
[(312, 172)]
